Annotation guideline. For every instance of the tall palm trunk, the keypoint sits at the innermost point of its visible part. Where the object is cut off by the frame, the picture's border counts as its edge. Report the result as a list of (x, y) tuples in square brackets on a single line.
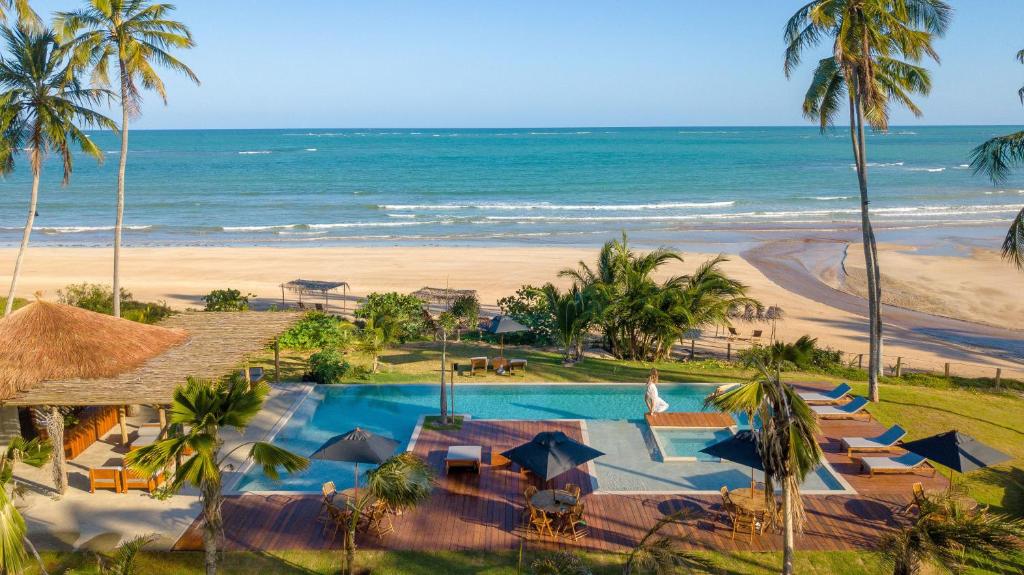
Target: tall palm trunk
[(119, 221), (788, 531), (212, 527), (55, 431), (444, 359), (871, 269), (24, 240)]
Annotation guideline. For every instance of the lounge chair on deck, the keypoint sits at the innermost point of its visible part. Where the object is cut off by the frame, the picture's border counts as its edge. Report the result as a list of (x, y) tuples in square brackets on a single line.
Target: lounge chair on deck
[(516, 364), (476, 363), (466, 456), (851, 410), (106, 478), (906, 463), (134, 480), (834, 396), (883, 442)]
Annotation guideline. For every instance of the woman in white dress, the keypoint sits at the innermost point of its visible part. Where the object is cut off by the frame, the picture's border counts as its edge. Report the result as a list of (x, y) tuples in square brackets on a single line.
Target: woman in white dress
[(655, 404)]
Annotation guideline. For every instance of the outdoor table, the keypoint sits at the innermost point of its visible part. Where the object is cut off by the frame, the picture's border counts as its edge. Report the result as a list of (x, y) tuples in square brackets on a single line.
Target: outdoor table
[(351, 493), (750, 500), (962, 500), (555, 501)]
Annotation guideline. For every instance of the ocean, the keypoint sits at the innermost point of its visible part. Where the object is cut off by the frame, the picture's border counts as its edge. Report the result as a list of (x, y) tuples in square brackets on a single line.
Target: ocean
[(505, 186)]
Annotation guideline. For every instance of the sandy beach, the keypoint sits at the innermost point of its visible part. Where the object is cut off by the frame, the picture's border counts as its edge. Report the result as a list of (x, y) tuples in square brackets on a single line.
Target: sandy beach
[(977, 288)]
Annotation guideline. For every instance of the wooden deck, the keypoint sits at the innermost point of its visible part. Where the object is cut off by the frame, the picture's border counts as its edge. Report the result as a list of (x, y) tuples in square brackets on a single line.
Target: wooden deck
[(681, 419), (482, 512)]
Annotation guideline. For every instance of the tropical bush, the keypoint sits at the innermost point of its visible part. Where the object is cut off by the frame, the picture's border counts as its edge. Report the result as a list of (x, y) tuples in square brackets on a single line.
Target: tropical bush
[(466, 311), (559, 563), (642, 318), (100, 299), (318, 330), (326, 367), (572, 314), (227, 300), (404, 311), (529, 307)]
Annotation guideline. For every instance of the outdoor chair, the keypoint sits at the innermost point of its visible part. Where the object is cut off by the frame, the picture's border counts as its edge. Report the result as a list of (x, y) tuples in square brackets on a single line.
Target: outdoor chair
[(851, 410), (756, 335), (302, 306), (337, 520), (378, 519), (744, 522), (465, 456), (135, 480), (572, 489), (106, 478), (318, 307), (919, 498), (883, 442), (733, 334), (727, 505), (329, 492), (573, 524), (906, 463), (476, 363), (514, 364), (528, 494), (835, 395), (540, 522)]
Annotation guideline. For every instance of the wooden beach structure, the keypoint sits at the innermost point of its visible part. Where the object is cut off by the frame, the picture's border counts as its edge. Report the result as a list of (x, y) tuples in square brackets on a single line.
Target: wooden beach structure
[(320, 288), (63, 356)]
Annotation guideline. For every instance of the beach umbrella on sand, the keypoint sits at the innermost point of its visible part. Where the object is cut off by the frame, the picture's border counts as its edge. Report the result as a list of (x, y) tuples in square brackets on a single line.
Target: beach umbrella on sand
[(957, 451), (502, 324), (357, 446), (551, 453), (741, 448), (774, 314)]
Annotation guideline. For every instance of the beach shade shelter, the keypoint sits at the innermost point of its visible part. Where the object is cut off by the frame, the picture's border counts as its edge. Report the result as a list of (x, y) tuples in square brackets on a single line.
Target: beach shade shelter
[(443, 297), (957, 451), (551, 453), (320, 288), (56, 355), (774, 314), (741, 448), (357, 446), (502, 324)]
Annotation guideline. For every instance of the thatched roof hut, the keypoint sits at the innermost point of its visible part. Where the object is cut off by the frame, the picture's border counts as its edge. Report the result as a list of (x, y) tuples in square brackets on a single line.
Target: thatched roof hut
[(442, 296), (47, 341), (76, 346)]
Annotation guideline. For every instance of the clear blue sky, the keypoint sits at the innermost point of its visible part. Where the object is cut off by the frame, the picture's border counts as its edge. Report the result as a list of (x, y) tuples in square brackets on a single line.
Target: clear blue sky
[(381, 63)]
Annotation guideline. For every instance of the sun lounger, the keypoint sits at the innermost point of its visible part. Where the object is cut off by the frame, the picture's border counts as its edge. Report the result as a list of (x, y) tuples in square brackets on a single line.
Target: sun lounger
[(883, 442), (851, 410), (106, 478), (476, 363), (906, 463), (514, 364), (463, 456), (833, 396), (134, 480)]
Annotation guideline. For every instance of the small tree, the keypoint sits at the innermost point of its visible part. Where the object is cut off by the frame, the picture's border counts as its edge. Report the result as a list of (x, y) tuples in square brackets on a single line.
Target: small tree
[(465, 309), (447, 322), (122, 560), (377, 337), (205, 409), (405, 312), (227, 300)]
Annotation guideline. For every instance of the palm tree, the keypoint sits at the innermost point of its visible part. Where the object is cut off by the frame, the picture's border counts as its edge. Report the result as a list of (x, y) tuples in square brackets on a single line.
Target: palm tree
[(877, 45), (379, 334), (25, 15), (943, 533), (42, 108), (572, 313), (402, 482), (13, 534), (202, 409), (786, 439), (996, 158), (138, 34), (446, 323), (122, 560)]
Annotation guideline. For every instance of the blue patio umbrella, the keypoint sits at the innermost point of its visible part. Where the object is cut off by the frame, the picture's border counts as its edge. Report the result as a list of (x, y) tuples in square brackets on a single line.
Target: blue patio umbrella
[(957, 451), (357, 446), (551, 453), (741, 448)]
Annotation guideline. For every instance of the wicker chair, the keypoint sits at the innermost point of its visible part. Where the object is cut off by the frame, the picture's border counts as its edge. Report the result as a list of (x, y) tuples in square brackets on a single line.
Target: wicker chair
[(573, 525), (573, 489)]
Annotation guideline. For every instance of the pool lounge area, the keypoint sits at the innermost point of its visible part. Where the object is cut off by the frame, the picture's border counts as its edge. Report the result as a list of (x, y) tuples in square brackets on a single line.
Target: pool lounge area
[(638, 458)]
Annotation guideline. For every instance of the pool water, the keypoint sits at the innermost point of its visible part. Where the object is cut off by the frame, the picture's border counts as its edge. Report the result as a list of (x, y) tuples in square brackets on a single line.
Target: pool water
[(614, 415), (685, 444)]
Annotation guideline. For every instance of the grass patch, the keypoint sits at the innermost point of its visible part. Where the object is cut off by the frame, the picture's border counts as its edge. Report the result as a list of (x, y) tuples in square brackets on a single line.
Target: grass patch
[(434, 422), (19, 302)]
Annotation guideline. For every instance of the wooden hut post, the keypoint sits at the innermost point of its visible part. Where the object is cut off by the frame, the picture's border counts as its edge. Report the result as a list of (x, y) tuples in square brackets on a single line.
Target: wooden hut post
[(122, 420), (161, 413), (728, 351), (277, 360), (282, 295), (899, 367), (999, 376), (947, 369), (55, 430), (693, 344)]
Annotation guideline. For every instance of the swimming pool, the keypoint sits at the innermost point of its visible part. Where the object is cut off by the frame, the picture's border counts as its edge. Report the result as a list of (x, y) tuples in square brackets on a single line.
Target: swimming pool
[(613, 412), (685, 444)]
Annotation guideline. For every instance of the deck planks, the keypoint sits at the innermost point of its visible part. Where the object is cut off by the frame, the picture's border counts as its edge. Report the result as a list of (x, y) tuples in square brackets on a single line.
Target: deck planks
[(683, 419), (483, 512)]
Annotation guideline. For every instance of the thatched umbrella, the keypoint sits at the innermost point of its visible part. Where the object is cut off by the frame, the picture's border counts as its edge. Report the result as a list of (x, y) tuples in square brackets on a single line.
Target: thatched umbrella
[(49, 341), (774, 314)]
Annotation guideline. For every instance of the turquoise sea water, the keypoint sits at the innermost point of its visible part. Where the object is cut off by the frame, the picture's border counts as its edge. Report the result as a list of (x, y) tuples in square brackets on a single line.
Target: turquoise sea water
[(328, 187), (614, 415)]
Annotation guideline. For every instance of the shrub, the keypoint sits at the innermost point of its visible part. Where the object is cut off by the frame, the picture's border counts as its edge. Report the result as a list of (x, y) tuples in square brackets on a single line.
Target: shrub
[(227, 300), (100, 299), (318, 330), (405, 311), (530, 308), (326, 367), (559, 563), (466, 309)]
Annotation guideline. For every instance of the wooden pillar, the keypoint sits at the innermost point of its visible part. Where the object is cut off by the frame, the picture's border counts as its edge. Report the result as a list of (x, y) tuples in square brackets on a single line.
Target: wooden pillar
[(693, 343), (999, 376), (728, 351), (282, 296), (161, 412), (277, 361), (860, 361), (899, 367), (947, 369), (55, 430), (122, 420)]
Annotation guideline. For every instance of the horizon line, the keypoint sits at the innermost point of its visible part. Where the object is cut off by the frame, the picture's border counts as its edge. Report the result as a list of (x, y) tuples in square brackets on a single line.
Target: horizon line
[(565, 127)]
